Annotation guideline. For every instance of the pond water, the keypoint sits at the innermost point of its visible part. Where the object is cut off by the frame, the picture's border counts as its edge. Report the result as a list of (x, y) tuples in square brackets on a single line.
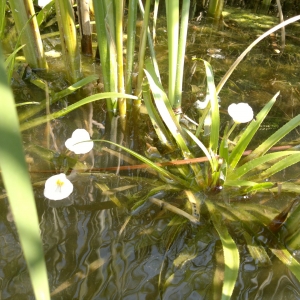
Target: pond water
[(96, 248)]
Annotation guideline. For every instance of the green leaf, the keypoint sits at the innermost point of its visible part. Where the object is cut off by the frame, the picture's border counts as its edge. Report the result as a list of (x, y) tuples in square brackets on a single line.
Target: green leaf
[(165, 110), (11, 57), (18, 187), (158, 125), (201, 146), (152, 165), (274, 138), (231, 253), (248, 134), (281, 165), (167, 114), (214, 104), (41, 16), (58, 114), (253, 164), (56, 96)]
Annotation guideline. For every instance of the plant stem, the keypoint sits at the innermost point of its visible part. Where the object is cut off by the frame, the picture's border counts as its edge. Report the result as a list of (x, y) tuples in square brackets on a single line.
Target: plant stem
[(22, 11), (142, 49), (172, 10), (69, 43), (131, 32), (99, 9), (181, 54), (230, 131), (85, 27), (119, 46)]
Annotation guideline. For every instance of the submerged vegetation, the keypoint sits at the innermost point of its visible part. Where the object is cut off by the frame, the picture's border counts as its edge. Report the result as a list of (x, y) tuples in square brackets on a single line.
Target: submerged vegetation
[(196, 168)]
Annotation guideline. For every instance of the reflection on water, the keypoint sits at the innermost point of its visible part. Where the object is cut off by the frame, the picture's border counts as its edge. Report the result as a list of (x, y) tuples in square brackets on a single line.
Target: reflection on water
[(88, 258)]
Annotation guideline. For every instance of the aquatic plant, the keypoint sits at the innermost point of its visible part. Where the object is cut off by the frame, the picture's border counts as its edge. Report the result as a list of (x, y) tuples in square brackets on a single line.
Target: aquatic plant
[(209, 165)]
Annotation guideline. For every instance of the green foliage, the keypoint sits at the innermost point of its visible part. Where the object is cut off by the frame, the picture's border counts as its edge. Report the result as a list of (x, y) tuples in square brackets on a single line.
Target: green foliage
[(19, 190), (231, 253)]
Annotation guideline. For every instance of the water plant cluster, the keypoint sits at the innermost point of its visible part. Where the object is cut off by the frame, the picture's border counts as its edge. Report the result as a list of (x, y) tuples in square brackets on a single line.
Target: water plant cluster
[(209, 163)]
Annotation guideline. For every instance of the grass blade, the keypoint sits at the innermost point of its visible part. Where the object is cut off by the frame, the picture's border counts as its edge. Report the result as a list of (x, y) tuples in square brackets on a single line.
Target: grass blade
[(159, 126), (251, 165), (240, 58), (18, 187), (274, 138), (248, 134), (169, 118), (281, 165), (231, 253), (55, 97), (44, 119), (152, 165), (214, 104)]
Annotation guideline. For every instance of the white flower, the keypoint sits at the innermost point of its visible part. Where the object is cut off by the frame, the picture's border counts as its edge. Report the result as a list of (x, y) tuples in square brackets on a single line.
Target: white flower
[(58, 187), (42, 3), (241, 112), (80, 135)]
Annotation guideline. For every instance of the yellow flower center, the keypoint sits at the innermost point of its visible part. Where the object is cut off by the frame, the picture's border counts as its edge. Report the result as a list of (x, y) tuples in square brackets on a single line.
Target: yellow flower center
[(59, 185), (59, 182)]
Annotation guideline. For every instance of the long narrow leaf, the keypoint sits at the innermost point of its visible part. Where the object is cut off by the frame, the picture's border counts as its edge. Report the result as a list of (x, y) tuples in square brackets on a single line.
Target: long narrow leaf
[(181, 53), (248, 134), (18, 187), (56, 96), (163, 134), (231, 253), (240, 58), (168, 116), (275, 138), (201, 146), (281, 165), (172, 11), (152, 165), (251, 165), (215, 115), (41, 120)]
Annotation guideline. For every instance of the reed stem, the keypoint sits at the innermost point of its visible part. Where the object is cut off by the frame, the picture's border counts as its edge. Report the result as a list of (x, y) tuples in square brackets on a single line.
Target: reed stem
[(22, 11), (181, 54), (172, 10), (69, 43), (120, 66), (85, 27)]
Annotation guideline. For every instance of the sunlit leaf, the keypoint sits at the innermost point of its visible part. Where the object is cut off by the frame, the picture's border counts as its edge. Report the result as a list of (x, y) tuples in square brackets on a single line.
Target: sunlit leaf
[(58, 114), (248, 134), (254, 163), (275, 138), (231, 253)]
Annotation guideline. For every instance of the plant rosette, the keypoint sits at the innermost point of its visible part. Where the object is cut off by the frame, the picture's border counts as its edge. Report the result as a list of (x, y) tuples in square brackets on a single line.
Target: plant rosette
[(80, 142), (58, 187), (240, 113)]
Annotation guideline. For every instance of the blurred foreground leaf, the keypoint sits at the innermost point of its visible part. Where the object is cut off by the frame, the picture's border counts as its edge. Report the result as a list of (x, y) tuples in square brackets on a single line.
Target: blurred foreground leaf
[(18, 187)]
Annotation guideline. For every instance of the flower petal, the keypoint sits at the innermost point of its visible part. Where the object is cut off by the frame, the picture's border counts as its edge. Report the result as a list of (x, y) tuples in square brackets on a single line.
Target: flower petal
[(58, 187), (241, 112), (78, 136)]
